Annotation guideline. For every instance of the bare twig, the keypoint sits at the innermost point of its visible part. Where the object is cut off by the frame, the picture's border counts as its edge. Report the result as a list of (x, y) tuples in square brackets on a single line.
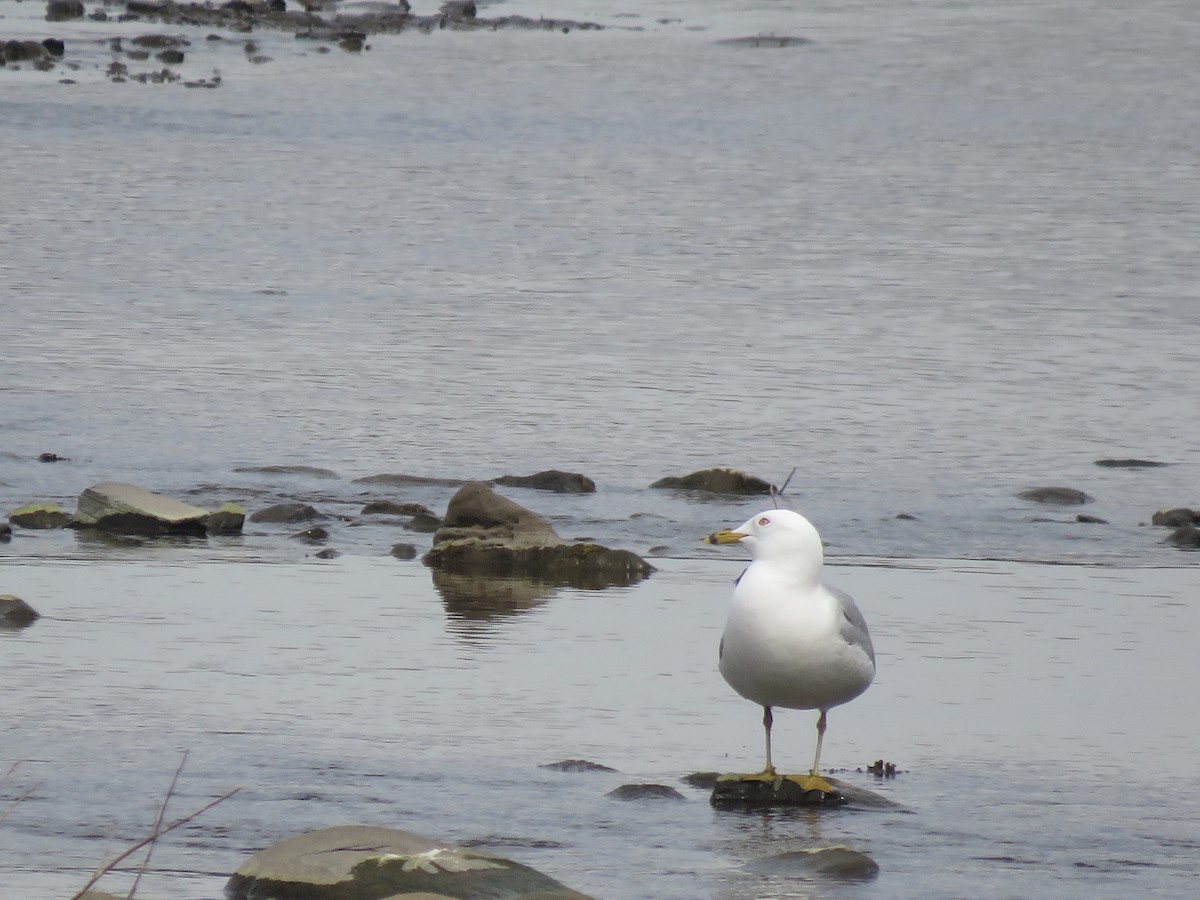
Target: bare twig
[(109, 866), (162, 811), (776, 493), (4, 815)]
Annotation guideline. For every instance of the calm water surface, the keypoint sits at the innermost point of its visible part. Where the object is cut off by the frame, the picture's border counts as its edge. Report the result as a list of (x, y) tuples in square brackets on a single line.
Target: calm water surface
[(942, 253), (1042, 715)]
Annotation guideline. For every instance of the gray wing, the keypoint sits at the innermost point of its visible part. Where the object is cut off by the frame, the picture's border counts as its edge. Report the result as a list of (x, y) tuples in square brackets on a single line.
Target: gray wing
[(853, 625)]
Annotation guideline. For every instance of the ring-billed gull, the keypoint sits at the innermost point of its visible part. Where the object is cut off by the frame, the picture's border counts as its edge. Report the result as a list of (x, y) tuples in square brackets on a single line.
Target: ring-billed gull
[(790, 641)]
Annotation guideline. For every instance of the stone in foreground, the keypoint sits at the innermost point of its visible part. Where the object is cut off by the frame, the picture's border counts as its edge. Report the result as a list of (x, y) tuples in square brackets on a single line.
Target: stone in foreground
[(124, 508), (359, 862), (757, 790)]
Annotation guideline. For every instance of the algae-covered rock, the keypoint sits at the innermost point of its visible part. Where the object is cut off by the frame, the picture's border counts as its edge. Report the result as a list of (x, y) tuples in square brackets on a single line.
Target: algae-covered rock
[(476, 511), (39, 515), (1186, 537), (716, 481), (754, 790), (228, 518), (551, 480), (127, 509), (358, 862)]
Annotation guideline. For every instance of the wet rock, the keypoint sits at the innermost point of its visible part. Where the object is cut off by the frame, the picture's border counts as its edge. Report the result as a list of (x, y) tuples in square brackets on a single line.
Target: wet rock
[(358, 861), (1175, 517), (716, 481), (228, 518), (127, 509), (1090, 520), (402, 480), (487, 534), (704, 780), (161, 41), (477, 506), (314, 535), (286, 513), (765, 41), (327, 553), (551, 480), (5, 532), (22, 51), (63, 10), (39, 515), (833, 862), (752, 791), (404, 551), (1130, 463), (1057, 496), (1186, 537), (646, 792), (16, 613), (170, 57), (576, 765), (283, 470), (54, 47), (390, 508), (424, 523), (881, 769)]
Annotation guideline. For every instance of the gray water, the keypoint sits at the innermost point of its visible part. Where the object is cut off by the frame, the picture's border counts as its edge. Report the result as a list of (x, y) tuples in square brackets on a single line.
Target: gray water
[(1043, 719), (941, 253)]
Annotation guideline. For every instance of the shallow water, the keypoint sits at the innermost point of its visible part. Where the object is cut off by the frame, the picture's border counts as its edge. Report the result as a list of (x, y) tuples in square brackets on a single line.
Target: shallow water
[(1042, 718)]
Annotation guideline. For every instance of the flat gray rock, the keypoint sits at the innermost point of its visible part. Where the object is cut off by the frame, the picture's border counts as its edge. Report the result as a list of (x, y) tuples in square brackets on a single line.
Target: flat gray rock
[(360, 862), (125, 508)]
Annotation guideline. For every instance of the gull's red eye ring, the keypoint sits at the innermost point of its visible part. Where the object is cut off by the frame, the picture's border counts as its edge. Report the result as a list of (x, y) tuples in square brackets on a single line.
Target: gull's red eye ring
[(764, 521)]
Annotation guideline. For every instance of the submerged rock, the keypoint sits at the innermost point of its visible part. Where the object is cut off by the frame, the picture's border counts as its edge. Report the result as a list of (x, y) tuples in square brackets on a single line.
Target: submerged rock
[(551, 480), (127, 509), (645, 792), (358, 862), (716, 481), (5, 532), (16, 613), (1057, 496), (834, 862), (286, 513), (1186, 537), (1130, 463), (64, 10), (39, 515), (391, 508), (576, 765), (1175, 517)]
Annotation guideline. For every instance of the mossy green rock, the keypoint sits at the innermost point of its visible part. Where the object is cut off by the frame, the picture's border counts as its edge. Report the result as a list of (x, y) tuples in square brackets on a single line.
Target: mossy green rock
[(359, 862), (228, 518), (39, 515)]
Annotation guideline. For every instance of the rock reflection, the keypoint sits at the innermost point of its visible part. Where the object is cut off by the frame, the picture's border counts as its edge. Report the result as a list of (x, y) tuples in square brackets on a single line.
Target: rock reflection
[(474, 602)]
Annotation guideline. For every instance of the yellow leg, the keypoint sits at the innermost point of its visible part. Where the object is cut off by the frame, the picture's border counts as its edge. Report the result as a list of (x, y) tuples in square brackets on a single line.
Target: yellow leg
[(768, 721)]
